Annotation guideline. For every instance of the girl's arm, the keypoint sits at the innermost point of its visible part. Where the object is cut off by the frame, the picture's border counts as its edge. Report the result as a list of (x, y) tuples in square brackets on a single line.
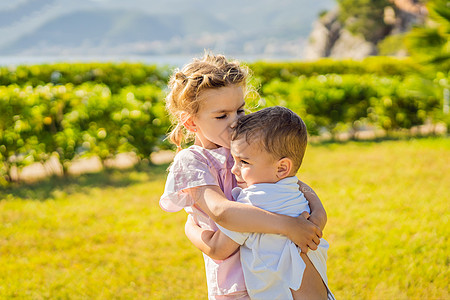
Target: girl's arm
[(246, 218), (318, 214), (216, 244)]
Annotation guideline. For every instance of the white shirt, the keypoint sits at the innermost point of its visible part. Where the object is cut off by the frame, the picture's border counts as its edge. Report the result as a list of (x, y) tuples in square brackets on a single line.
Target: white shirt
[(271, 263)]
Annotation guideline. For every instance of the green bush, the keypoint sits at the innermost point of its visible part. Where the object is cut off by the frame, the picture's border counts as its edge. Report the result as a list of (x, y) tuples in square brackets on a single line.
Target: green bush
[(114, 75), (74, 121), (335, 102), (380, 66), (75, 110)]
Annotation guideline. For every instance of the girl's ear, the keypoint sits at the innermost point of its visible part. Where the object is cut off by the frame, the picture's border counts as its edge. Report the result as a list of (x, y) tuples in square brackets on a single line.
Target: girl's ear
[(188, 122), (284, 167)]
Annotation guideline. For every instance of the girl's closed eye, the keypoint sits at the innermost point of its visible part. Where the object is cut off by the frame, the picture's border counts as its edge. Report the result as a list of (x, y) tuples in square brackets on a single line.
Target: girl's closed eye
[(221, 117), (240, 111)]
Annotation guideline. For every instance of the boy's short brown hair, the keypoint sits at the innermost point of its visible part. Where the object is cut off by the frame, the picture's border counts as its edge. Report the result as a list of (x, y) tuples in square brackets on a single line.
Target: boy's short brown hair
[(278, 130)]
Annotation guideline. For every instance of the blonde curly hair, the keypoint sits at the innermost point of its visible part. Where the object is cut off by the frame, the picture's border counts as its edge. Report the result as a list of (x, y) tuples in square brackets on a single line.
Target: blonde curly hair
[(209, 72)]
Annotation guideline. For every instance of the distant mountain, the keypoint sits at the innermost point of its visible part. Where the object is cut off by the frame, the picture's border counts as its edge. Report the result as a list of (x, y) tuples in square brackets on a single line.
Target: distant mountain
[(105, 27)]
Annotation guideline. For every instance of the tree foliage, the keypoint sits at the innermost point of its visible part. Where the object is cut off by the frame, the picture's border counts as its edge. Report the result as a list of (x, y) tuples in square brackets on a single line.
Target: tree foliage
[(430, 43), (365, 17)]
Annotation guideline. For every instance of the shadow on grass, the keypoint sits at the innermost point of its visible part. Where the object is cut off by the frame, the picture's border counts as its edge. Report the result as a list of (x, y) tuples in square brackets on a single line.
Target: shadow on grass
[(49, 188)]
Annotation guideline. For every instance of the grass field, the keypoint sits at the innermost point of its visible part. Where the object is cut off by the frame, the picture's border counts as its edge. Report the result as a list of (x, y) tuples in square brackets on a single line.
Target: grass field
[(103, 236)]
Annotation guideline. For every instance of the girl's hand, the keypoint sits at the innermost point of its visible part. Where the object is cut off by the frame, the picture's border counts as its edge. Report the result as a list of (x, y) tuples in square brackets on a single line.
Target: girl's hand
[(318, 214), (304, 233), (319, 219)]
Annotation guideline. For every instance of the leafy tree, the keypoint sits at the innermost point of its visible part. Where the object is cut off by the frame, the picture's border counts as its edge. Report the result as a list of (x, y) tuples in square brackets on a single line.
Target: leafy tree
[(430, 43), (365, 17)]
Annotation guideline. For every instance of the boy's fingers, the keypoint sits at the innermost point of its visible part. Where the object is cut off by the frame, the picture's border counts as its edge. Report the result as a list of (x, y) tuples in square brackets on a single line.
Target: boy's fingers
[(319, 234), (304, 248), (305, 214), (312, 246), (316, 240)]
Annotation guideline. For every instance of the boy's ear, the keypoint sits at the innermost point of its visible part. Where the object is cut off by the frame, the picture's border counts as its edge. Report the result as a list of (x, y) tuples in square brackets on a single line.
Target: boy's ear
[(188, 122), (284, 167)]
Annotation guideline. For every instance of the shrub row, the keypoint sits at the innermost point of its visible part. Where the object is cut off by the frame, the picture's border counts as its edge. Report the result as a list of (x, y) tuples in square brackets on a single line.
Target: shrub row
[(380, 66), (118, 75), (349, 102), (114, 75), (105, 109), (76, 121)]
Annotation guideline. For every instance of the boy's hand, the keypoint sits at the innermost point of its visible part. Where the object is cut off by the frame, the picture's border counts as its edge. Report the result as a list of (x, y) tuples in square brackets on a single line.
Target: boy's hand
[(305, 234)]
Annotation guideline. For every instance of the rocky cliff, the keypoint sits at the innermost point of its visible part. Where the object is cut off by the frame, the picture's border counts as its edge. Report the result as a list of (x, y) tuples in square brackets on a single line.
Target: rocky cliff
[(332, 38)]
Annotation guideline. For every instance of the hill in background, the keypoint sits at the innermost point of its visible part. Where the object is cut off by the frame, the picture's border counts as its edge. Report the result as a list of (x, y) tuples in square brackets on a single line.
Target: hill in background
[(358, 28), (143, 27)]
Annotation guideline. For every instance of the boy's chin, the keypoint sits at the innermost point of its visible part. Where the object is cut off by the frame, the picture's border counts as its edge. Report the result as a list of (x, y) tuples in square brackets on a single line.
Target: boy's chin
[(242, 185)]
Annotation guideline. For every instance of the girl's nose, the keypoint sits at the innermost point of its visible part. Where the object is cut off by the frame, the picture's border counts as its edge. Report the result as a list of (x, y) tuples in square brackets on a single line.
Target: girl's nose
[(234, 122)]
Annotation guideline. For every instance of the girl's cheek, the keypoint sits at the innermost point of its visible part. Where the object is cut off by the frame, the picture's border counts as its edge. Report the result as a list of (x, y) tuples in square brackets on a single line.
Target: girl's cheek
[(228, 140)]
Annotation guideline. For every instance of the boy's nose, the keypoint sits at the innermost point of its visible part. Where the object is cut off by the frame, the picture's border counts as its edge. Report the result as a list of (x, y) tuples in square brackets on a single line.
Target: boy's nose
[(234, 169)]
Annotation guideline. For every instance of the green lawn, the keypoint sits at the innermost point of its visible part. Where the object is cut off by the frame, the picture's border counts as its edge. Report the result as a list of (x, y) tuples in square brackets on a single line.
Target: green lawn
[(103, 236)]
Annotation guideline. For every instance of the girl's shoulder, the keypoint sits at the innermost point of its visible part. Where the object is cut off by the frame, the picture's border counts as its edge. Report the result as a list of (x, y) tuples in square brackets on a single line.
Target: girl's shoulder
[(198, 155)]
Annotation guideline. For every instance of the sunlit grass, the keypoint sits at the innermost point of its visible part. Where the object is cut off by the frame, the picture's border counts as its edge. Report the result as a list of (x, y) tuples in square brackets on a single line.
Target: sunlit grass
[(388, 226), (103, 236), (102, 243)]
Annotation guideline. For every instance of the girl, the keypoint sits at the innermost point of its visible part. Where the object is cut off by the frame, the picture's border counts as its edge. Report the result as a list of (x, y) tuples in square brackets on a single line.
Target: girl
[(206, 98)]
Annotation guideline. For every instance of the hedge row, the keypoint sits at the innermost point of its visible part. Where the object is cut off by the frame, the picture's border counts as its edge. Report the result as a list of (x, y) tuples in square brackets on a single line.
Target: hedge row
[(76, 121), (114, 75), (349, 102), (265, 72), (118, 75), (105, 109)]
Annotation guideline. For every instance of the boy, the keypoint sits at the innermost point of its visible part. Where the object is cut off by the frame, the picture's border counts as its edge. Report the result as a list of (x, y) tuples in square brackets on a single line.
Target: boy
[(268, 147)]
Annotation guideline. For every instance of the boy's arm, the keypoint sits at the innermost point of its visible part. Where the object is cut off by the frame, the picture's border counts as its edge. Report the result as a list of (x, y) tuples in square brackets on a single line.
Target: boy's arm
[(318, 214), (247, 218), (214, 244)]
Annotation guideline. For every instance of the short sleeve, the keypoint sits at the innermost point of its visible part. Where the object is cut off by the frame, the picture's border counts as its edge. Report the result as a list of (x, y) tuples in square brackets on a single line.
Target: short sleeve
[(238, 237), (190, 169)]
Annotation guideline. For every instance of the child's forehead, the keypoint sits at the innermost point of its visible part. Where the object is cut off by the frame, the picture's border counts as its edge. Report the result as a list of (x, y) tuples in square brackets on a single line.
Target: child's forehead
[(222, 99), (240, 147)]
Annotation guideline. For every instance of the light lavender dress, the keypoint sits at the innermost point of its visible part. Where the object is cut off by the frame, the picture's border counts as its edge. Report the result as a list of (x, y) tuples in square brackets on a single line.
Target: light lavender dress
[(195, 167)]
